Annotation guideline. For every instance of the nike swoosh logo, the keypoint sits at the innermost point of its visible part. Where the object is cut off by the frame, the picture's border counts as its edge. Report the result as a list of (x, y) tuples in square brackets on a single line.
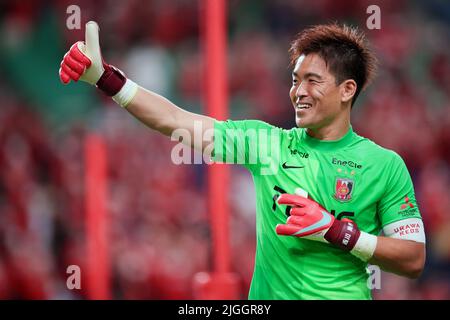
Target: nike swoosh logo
[(285, 166), (326, 219)]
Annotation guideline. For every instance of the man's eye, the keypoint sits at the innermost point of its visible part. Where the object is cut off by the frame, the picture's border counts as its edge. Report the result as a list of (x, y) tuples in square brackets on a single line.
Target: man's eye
[(294, 81), (313, 81)]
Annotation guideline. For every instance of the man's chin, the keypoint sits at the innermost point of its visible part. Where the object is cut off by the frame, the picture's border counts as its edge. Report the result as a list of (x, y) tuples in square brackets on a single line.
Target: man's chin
[(301, 123)]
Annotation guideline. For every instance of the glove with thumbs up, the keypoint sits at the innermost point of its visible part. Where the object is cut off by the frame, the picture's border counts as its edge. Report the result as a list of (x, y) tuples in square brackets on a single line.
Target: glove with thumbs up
[(84, 62)]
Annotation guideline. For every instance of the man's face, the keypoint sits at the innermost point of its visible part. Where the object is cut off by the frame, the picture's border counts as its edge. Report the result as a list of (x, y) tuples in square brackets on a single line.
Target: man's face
[(314, 93)]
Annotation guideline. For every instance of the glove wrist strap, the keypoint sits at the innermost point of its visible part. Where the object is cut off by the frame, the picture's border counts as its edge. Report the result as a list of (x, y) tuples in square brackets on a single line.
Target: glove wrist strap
[(111, 81), (343, 234)]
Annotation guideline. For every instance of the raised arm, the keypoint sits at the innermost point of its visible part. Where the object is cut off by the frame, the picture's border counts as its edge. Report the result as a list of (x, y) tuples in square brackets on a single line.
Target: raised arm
[(84, 62), (160, 114)]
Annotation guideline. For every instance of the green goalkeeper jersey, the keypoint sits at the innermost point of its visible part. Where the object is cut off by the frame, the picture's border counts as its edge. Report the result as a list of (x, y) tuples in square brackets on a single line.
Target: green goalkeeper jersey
[(351, 177)]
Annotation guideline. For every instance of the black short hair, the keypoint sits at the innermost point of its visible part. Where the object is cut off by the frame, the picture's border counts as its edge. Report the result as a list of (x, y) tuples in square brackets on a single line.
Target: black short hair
[(344, 49)]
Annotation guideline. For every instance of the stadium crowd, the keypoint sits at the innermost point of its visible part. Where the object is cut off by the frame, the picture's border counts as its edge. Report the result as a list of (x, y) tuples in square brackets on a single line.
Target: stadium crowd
[(157, 209)]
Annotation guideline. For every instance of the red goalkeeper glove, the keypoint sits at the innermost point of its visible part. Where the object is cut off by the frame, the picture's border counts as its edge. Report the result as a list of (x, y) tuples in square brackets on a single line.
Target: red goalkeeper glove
[(84, 62), (310, 221)]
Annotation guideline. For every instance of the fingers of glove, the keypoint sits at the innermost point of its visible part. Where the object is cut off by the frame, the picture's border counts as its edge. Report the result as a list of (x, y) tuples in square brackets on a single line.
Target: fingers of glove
[(298, 211), (77, 54), (295, 220), (63, 76), (293, 200), (301, 218), (71, 73), (73, 64), (301, 223), (286, 230)]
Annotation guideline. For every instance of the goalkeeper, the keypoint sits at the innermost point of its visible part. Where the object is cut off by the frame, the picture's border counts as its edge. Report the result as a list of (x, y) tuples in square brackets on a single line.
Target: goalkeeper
[(329, 192)]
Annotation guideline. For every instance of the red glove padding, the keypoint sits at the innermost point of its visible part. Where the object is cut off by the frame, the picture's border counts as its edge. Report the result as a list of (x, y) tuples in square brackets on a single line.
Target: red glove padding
[(84, 62), (73, 65), (310, 221)]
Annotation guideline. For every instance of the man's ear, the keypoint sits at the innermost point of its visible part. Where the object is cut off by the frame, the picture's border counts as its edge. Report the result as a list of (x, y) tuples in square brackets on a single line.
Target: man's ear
[(348, 90)]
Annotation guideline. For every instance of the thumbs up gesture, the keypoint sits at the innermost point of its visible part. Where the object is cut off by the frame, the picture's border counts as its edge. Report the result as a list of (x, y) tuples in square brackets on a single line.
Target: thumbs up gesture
[(84, 62)]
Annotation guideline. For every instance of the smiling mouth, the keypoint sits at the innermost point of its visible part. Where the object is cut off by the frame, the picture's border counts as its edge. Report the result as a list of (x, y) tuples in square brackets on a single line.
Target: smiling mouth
[(302, 106)]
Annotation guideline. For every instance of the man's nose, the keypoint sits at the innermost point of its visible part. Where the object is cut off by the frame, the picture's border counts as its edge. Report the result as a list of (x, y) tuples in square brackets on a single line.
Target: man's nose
[(301, 90)]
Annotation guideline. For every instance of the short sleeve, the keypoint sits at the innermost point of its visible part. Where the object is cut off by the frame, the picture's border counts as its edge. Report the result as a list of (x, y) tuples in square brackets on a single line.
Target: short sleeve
[(398, 201), (250, 143)]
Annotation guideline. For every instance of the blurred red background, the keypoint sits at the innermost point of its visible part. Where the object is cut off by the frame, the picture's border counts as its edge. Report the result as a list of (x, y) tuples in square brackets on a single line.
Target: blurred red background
[(159, 232)]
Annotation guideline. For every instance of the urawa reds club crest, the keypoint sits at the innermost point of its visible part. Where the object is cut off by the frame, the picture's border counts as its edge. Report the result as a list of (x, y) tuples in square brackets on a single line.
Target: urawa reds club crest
[(343, 189)]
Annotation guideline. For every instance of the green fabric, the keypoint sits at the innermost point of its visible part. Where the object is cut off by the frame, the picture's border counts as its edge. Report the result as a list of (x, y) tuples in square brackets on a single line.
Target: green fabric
[(294, 268)]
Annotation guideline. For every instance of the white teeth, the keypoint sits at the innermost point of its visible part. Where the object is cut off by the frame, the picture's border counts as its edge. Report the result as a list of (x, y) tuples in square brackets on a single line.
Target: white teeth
[(303, 106)]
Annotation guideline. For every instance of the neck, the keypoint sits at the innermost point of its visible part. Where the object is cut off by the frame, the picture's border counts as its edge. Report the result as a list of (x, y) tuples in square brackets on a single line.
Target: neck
[(334, 131)]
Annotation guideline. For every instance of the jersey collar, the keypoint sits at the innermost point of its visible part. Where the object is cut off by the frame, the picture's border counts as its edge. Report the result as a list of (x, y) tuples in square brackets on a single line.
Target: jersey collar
[(327, 145)]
